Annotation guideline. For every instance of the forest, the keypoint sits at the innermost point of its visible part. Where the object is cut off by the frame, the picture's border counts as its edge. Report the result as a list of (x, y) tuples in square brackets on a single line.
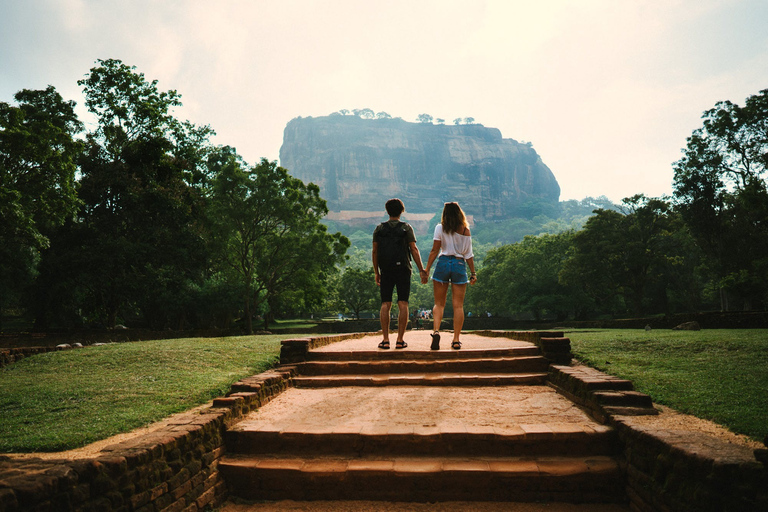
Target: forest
[(704, 248), (142, 221)]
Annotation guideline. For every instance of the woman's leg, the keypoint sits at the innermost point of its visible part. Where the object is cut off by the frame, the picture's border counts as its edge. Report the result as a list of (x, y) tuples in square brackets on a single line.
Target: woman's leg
[(457, 296), (441, 294)]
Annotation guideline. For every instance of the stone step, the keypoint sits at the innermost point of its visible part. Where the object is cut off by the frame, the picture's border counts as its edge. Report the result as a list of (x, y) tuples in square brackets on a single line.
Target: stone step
[(485, 365), (422, 379), (410, 354), (571, 439), (594, 479)]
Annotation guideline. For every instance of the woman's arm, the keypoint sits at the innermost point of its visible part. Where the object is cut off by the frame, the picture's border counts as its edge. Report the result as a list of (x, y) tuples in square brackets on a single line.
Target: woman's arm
[(472, 274), (471, 261), (433, 254)]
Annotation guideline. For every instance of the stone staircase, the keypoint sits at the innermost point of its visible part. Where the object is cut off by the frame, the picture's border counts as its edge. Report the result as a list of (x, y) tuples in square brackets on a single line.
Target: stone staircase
[(417, 425), (488, 367)]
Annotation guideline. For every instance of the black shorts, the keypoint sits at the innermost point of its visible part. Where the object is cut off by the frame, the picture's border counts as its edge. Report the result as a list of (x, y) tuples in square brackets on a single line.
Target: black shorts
[(400, 278)]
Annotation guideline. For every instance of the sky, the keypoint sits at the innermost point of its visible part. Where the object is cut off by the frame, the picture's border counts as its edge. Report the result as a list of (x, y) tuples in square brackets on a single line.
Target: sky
[(607, 91)]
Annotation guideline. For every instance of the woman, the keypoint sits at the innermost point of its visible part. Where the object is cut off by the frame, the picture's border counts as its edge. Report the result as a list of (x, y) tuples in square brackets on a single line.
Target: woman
[(453, 243)]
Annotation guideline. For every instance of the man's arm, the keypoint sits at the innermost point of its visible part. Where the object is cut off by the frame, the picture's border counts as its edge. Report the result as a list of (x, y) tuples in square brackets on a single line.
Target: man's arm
[(417, 258), (375, 260)]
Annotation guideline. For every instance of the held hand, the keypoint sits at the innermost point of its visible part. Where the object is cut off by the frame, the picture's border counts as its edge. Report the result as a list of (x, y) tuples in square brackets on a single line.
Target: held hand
[(424, 276), (378, 279), (473, 279)]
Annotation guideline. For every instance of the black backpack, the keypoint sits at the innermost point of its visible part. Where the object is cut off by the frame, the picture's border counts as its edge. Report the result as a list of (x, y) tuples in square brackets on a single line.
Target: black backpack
[(393, 250)]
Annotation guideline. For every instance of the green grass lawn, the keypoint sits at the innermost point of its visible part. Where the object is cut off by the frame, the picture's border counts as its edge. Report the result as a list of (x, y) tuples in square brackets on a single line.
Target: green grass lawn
[(720, 375), (67, 399)]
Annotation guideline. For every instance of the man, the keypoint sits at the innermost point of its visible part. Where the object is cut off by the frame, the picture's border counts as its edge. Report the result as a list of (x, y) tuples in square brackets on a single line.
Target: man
[(394, 243)]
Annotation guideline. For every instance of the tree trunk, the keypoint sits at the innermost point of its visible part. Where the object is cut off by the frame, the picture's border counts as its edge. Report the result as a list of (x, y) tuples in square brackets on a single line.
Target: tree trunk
[(248, 319), (111, 317), (267, 319), (723, 300)]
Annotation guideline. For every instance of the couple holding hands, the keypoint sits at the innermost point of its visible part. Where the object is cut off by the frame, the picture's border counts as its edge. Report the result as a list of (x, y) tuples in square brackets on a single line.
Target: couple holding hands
[(394, 244)]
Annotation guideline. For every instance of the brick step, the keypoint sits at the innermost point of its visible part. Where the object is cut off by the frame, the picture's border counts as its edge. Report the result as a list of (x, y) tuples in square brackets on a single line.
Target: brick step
[(485, 365), (410, 354), (593, 479), (569, 439), (422, 379)]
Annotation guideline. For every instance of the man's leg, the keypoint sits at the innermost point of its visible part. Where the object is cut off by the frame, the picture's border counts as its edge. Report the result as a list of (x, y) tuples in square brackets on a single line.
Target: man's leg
[(387, 285), (384, 315), (402, 319)]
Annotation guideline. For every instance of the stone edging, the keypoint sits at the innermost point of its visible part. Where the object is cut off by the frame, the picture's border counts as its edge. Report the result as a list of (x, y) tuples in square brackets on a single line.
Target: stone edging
[(666, 470), (11, 355), (174, 467), (552, 344), (296, 350)]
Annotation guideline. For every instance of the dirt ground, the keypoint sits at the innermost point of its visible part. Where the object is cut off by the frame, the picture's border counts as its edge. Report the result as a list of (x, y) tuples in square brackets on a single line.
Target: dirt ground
[(402, 408)]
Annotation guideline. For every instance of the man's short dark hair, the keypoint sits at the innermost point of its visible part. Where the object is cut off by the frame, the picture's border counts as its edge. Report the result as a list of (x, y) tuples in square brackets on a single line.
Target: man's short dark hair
[(394, 207)]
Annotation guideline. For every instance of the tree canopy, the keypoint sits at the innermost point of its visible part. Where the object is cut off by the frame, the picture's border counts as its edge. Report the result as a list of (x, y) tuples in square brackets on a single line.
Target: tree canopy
[(134, 223), (269, 231), (38, 191), (142, 220), (722, 195)]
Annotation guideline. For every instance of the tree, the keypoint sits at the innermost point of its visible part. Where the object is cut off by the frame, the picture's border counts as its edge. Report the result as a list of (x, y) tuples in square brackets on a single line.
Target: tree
[(457, 121), (364, 113), (618, 257), (522, 278), (648, 229), (469, 120), (593, 264), (269, 231), (383, 115), (424, 118), (139, 228), (38, 162), (721, 192), (356, 290), (440, 120)]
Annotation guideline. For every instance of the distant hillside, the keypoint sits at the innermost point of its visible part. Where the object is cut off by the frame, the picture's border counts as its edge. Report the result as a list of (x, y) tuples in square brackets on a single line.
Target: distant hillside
[(360, 163)]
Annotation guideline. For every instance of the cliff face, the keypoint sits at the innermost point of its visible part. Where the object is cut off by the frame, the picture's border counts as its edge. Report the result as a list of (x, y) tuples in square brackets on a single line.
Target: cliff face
[(360, 163)]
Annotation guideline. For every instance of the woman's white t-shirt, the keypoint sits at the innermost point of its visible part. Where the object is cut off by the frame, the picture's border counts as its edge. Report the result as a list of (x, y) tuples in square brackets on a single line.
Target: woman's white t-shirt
[(453, 244)]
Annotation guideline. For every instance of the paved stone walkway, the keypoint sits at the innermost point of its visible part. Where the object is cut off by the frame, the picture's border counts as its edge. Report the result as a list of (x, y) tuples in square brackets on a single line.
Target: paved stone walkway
[(479, 433), (420, 341)]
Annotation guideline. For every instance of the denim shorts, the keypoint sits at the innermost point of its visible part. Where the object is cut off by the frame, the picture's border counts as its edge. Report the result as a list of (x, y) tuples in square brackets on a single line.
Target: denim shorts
[(450, 269)]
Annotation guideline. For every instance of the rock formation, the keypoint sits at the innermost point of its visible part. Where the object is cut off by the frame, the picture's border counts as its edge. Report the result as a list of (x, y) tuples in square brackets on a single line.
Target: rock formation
[(360, 163)]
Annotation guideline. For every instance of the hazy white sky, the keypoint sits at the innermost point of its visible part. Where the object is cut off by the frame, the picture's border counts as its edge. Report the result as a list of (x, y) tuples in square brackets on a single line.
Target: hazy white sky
[(606, 90)]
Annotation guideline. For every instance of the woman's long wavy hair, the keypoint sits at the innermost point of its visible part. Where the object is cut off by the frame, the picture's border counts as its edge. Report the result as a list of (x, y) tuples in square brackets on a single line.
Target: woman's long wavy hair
[(453, 220)]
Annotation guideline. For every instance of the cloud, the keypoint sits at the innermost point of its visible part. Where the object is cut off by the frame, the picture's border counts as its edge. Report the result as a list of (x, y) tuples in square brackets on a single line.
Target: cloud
[(606, 91)]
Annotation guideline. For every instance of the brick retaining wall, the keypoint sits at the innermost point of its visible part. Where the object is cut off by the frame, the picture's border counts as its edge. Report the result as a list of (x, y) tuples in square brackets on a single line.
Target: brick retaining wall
[(172, 468), (667, 470), (11, 355)]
